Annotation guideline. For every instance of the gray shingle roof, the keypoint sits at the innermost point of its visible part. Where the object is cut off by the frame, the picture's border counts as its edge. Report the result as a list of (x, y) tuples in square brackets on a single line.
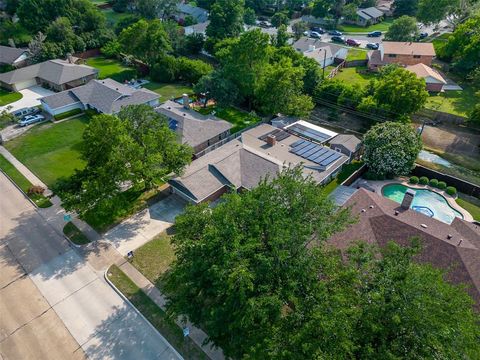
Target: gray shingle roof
[(8, 54), (201, 15), (370, 13), (107, 96), (55, 71), (304, 43), (193, 127), (350, 142)]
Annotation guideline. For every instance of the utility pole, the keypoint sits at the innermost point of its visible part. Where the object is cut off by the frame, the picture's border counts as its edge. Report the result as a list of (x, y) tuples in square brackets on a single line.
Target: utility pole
[(324, 62)]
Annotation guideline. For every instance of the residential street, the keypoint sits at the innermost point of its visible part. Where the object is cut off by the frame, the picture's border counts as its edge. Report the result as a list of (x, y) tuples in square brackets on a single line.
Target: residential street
[(56, 305)]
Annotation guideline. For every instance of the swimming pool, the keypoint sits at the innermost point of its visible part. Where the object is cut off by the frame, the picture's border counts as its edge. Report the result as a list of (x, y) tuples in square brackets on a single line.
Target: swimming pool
[(425, 201)]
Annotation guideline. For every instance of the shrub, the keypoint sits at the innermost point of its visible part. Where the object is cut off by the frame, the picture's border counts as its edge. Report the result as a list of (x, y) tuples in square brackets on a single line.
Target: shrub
[(451, 190), (424, 180), (111, 49), (442, 185), (191, 71), (165, 70), (433, 183), (35, 190), (67, 114), (414, 180)]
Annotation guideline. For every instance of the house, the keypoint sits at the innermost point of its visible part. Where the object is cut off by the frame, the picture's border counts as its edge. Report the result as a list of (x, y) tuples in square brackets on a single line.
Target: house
[(57, 74), (105, 96), (15, 57), (197, 130), (385, 6), (198, 14), (454, 248), (242, 163), (200, 28), (368, 16), (324, 53), (402, 53), (433, 80), (347, 144), (309, 131)]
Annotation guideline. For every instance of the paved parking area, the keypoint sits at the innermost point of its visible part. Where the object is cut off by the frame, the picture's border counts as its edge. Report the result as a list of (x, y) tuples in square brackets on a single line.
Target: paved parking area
[(31, 97)]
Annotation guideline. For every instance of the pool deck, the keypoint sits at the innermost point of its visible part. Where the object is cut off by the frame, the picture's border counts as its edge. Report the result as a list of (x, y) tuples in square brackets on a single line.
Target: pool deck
[(377, 186)]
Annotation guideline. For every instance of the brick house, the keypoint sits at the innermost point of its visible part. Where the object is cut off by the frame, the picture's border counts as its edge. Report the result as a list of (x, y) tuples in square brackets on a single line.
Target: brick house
[(402, 53), (433, 79)]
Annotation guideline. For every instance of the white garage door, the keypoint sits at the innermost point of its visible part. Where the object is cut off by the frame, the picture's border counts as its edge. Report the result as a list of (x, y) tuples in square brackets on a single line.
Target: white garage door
[(25, 84)]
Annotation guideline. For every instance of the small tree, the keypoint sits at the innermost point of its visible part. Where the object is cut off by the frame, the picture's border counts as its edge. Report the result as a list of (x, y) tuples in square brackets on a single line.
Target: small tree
[(299, 28), (249, 16), (280, 18), (402, 29), (391, 149)]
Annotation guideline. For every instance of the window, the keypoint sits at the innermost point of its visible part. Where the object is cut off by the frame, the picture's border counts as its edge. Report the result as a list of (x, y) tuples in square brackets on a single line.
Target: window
[(417, 56), (392, 55)]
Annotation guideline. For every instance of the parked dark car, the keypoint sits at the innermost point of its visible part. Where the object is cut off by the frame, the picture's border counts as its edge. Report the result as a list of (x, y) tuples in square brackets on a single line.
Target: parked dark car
[(335, 33), (317, 29), (339, 39), (353, 42), (423, 35), (265, 24), (374, 34), (373, 46)]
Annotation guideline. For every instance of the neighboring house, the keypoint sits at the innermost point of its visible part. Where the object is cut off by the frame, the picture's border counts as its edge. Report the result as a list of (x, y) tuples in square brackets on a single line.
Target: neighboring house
[(348, 145), (105, 96), (454, 248), (200, 28), (402, 53), (197, 130), (242, 163), (309, 131), (433, 80), (57, 74), (368, 16), (15, 57), (324, 53), (385, 6), (198, 14)]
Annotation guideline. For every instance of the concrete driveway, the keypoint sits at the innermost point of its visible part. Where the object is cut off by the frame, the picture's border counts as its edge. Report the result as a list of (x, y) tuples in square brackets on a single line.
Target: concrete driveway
[(31, 97), (145, 225)]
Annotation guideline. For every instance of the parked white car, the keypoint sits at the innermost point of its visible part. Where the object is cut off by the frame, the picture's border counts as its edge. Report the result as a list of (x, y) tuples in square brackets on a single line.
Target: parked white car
[(31, 119)]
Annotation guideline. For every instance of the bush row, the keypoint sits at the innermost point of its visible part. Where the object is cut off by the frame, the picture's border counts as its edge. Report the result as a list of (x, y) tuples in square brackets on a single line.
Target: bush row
[(442, 185), (67, 114)]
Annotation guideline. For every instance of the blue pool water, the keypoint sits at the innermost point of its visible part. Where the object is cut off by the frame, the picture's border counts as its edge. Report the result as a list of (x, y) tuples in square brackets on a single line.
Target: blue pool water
[(425, 201)]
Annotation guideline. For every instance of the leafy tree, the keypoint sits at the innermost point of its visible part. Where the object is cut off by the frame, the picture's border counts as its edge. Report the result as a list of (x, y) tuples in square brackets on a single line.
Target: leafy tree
[(165, 69), (61, 32), (217, 86), (321, 8), (191, 71), (281, 39), (403, 29), (145, 40), (391, 148), (350, 11), (122, 6), (434, 11), (152, 9), (6, 117), (299, 28), (111, 49), (280, 18), (405, 7), (245, 265), (194, 43), (249, 16), (226, 19), (125, 22), (281, 90)]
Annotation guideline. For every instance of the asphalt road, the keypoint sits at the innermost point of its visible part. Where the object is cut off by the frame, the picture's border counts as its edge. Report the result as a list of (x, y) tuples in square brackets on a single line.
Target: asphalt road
[(53, 304)]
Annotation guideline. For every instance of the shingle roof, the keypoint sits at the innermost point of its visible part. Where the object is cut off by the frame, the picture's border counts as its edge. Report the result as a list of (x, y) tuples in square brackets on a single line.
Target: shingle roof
[(8, 54), (350, 142), (198, 13), (55, 71), (193, 127), (369, 13), (459, 255), (107, 96), (424, 71), (303, 44), (408, 48)]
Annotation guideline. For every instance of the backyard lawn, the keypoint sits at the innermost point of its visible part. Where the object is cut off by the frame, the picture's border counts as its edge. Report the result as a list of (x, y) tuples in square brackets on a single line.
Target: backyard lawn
[(382, 26), (346, 172), (112, 68), (114, 17), (7, 97), (238, 118), (168, 91), (356, 54), (454, 102), (354, 75), (51, 151), (471, 205)]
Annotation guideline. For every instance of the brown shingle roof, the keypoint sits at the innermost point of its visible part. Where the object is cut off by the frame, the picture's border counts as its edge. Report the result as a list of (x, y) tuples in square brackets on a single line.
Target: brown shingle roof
[(424, 71), (408, 48)]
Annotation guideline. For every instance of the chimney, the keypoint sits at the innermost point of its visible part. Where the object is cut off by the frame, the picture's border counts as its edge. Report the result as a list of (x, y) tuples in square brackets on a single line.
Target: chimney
[(408, 199), (186, 101), (271, 140), (311, 47), (70, 58)]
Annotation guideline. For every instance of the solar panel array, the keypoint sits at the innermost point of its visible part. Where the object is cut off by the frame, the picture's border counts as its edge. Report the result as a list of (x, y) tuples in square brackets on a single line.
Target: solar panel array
[(279, 135), (309, 133), (318, 154), (172, 124)]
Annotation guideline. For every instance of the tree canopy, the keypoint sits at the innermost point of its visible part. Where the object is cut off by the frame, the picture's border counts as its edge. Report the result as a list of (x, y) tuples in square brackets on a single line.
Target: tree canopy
[(403, 29), (226, 19)]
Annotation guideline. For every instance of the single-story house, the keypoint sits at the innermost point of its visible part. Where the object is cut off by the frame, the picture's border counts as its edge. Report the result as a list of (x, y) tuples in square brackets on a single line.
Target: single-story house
[(197, 130), (402, 53), (200, 28), (433, 79), (347, 144), (105, 96), (322, 52), (242, 163), (385, 6), (57, 75), (309, 131), (198, 14), (15, 57), (453, 247), (367, 16)]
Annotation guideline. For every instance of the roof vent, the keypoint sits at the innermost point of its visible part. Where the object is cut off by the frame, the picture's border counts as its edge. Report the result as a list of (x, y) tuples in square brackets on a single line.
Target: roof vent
[(424, 226), (363, 210), (184, 114), (460, 242), (449, 236), (371, 206), (397, 212)]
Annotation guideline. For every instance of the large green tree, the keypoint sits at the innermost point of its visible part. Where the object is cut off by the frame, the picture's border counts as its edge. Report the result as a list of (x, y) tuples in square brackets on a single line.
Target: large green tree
[(405, 7), (152, 9), (434, 11), (402, 29), (391, 149), (226, 19)]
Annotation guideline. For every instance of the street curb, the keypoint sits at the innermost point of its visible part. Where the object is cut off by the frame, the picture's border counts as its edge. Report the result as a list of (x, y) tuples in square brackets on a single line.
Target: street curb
[(19, 188), (105, 275)]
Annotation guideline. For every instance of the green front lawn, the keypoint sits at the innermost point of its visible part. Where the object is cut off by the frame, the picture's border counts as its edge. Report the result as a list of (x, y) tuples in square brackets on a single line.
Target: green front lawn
[(453, 102), (51, 151), (157, 317), (7, 97), (238, 118), (112, 68), (169, 91), (382, 26), (356, 54), (355, 75)]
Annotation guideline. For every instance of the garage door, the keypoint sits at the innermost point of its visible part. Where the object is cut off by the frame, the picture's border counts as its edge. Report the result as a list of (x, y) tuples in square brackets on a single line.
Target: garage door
[(25, 84)]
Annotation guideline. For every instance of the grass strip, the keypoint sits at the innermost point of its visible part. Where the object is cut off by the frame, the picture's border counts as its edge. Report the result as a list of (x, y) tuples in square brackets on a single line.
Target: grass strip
[(74, 234)]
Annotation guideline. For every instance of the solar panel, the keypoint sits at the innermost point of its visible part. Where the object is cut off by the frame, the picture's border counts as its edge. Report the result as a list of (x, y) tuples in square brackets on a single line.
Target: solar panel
[(279, 135), (305, 149), (298, 142), (318, 154), (309, 133), (172, 124), (330, 160), (312, 152), (302, 146)]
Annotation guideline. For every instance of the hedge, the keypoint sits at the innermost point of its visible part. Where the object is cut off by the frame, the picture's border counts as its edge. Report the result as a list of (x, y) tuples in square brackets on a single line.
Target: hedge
[(67, 114), (424, 180), (414, 180), (442, 185), (451, 190), (433, 182)]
